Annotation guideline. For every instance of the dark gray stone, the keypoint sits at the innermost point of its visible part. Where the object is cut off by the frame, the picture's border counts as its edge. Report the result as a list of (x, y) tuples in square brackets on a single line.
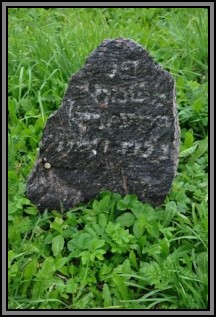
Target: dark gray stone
[(117, 129)]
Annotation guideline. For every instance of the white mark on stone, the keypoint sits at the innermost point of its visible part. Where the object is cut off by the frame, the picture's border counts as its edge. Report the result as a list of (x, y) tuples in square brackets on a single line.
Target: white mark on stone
[(100, 91), (160, 105), (87, 143), (120, 96), (137, 97), (71, 103), (150, 148), (94, 152), (142, 84), (71, 106), (163, 120), (82, 88), (125, 146), (95, 141), (136, 148), (163, 96), (136, 63), (82, 127), (132, 144), (60, 146), (113, 72), (88, 115), (165, 149), (106, 146), (86, 87), (126, 116), (129, 65), (47, 165), (131, 115), (101, 127), (70, 144), (123, 116)]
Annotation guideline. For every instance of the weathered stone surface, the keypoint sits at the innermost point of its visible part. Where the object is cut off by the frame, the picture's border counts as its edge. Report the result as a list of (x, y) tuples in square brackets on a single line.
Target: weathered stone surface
[(117, 129)]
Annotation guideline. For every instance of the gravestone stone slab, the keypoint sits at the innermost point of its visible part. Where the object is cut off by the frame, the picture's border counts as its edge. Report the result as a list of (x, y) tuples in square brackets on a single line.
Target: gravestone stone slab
[(117, 129)]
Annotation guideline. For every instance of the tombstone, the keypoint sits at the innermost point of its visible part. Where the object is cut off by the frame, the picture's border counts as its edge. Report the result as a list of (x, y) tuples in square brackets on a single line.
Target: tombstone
[(117, 129)]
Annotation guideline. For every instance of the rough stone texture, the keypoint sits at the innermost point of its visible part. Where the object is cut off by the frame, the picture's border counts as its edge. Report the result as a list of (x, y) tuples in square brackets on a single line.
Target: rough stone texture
[(117, 129)]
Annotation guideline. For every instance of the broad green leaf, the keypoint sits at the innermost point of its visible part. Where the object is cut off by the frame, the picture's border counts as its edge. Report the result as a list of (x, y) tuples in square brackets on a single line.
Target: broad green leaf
[(121, 205), (126, 202), (167, 232), (181, 251), (153, 228), (99, 254), (106, 295), (193, 84), (85, 256), (133, 260), (164, 244), (96, 207), (57, 224), (64, 270), (202, 148), (39, 124), (197, 105), (120, 286), (96, 244), (183, 218), (149, 212), (12, 176), (12, 110), (85, 301), (29, 272), (105, 270), (57, 214), (71, 286), (57, 245), (126, 268), (14, 269), (138, 228), (31, 211), (60, 262), (138, 209), (59, 283), (97, 229), (92, 256), (170, 212), (189, 139), (84, 240), (30, 269), (189, 151), (102, 220), (48, 239), (126, 219), (68, 233), (44, 277), (90, 230), (103, 204), (10, 255), (71, 219)]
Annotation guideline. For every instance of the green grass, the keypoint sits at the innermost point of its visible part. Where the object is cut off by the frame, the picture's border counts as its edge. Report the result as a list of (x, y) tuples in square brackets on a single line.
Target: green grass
[(113, 252)]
